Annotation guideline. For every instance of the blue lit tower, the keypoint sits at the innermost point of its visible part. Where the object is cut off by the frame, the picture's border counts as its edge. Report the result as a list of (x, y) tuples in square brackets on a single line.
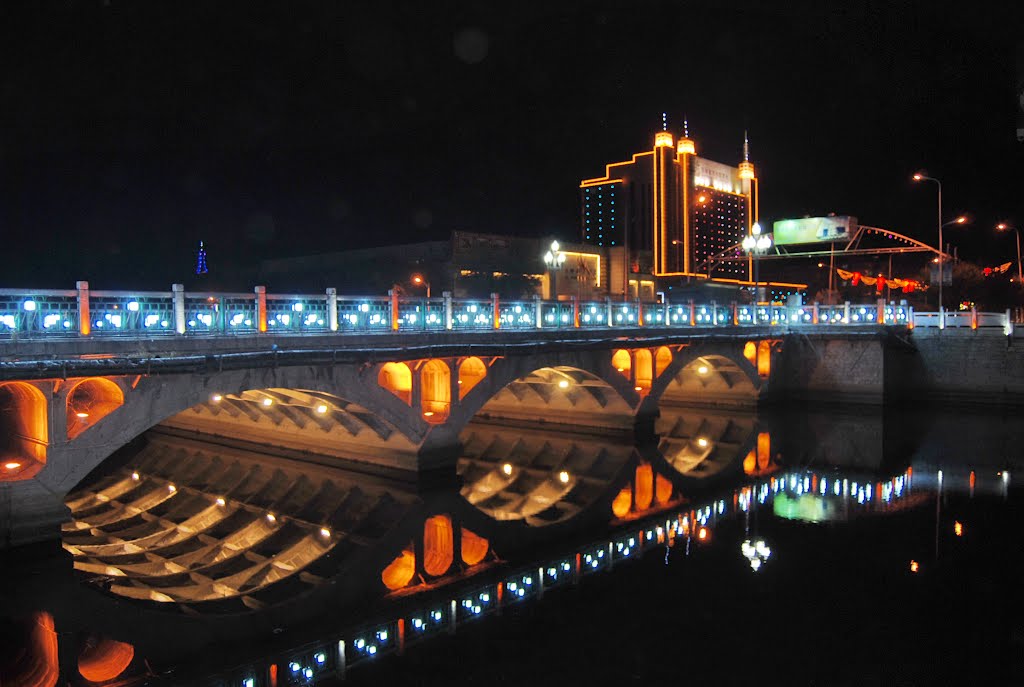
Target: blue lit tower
[(201, 260)]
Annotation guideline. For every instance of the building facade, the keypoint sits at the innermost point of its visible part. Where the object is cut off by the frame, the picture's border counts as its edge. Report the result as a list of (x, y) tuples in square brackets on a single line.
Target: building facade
[(671, 212)]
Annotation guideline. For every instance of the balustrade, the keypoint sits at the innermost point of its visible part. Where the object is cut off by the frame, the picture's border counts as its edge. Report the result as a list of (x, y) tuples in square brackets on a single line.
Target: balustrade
[(72, 313)]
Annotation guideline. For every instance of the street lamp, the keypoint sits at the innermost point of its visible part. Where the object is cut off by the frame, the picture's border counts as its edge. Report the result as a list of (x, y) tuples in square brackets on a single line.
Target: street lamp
[(1003, 226), (420, 280), (756, 243), (554, 259), (921, 177)]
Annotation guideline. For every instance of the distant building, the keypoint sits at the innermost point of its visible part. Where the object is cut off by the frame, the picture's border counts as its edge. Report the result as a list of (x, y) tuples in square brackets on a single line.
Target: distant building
[(669, 213), (469, 264)]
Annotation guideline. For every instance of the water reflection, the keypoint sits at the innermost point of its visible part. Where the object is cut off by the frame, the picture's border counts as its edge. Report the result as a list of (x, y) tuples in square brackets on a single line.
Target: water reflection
[(184, 545)]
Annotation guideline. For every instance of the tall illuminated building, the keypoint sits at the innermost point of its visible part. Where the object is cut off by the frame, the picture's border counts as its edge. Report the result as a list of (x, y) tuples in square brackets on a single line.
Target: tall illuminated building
[(670, 211)]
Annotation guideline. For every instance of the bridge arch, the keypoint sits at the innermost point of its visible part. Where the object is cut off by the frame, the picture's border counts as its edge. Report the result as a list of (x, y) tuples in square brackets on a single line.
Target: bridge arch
[(89, 401), (24, 433), (707, 374)]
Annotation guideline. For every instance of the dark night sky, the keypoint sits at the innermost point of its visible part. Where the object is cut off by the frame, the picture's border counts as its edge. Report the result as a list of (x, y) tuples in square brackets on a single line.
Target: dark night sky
[(130, 131)]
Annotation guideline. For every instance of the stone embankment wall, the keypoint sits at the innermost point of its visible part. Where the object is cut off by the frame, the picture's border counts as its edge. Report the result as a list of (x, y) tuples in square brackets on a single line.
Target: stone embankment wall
[(897, 366)]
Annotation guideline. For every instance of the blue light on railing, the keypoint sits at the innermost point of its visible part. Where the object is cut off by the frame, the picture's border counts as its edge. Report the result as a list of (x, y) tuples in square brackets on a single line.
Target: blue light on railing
[(29, 306)]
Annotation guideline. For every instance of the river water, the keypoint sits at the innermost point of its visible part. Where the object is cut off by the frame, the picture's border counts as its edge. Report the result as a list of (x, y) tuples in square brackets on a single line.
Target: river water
[(798, 546)]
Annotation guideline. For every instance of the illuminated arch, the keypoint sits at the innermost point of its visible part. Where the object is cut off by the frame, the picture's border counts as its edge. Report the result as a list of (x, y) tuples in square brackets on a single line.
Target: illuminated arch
[(644, 485), (662, 359), (438, 545), (23, 431), (709, 377), (104, 659), (471, 372), (400, 571), (89, 401), (474, 547), (623, 502), (622, 361), (644, 369), (397, 378), (764, 358), (37, 663), (436, 390)]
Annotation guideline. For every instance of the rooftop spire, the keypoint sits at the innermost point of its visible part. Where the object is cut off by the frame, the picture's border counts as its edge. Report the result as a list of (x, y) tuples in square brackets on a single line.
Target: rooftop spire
[(686, 128), (664, 121), (746, 147)]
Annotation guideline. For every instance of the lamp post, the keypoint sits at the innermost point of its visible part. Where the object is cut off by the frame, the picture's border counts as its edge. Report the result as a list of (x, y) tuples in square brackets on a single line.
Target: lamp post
[(921, 177), (554, 259), (1003, 226), (756, 243), (420, 280)]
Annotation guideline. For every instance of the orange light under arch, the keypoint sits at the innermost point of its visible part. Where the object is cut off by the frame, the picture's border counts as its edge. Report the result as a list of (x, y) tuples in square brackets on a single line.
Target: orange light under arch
[(644, 486), (436, 390), (623, 502), (104, 660), (400, 571), (438, 545), (623, 362), (474, 547), (89, 401), (397, 378), (471, 372), (662, 359), (24, 433), (37, 664), (644, 369)]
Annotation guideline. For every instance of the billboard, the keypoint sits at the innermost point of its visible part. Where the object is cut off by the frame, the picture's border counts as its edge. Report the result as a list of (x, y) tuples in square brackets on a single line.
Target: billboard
[(788, 232)]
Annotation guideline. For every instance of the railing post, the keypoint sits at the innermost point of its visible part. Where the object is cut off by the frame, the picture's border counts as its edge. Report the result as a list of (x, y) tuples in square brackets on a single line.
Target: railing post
[(332, 309), (880, 313), (942, 317), (846, 312), (449, 320), (666, 310), (735, 314), (714, 314), (496, 310), (538, 311), (178, 296), (639, 313), (84, 323), (576, 312), (814, 313), (608, 310), (341, 659), (910, 317), (261, 308), (1008, 324), (974, 318), (393, 300), (693, 314)]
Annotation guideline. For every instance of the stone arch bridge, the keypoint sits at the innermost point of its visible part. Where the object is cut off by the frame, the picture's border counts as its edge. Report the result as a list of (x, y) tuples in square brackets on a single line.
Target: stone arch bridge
[(381, 404)]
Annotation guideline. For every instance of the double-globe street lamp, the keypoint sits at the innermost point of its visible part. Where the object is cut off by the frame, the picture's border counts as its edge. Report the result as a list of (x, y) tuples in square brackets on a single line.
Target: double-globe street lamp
[(1003, 226), (755, 243), (554, 259)]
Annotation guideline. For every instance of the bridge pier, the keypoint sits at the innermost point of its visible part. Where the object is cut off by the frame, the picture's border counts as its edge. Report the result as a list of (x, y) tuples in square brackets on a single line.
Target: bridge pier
[(30, 512)]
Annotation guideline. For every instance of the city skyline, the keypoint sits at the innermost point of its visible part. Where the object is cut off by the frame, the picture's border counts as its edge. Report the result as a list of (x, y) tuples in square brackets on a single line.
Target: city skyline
[(132, 133)]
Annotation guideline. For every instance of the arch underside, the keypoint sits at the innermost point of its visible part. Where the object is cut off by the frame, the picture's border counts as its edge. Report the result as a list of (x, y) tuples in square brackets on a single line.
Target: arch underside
[(539, 477), (700, 443), (560, 396), (711, 379), (190, 522), (298, 419)]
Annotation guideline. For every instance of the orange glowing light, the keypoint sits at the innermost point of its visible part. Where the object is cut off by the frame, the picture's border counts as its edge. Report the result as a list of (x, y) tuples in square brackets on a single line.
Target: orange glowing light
[(960, 220), (702, 199), (913, 566), (958, 528), (703, 533), (918, 177), (13, 465)]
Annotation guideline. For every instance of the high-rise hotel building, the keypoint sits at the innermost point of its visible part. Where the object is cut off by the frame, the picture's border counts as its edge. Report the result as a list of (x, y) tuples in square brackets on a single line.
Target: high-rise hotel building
[(671, 211)]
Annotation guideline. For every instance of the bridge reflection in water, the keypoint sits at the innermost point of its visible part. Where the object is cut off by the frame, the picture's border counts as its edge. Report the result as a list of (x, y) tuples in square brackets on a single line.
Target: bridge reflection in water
[(220, 542)]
